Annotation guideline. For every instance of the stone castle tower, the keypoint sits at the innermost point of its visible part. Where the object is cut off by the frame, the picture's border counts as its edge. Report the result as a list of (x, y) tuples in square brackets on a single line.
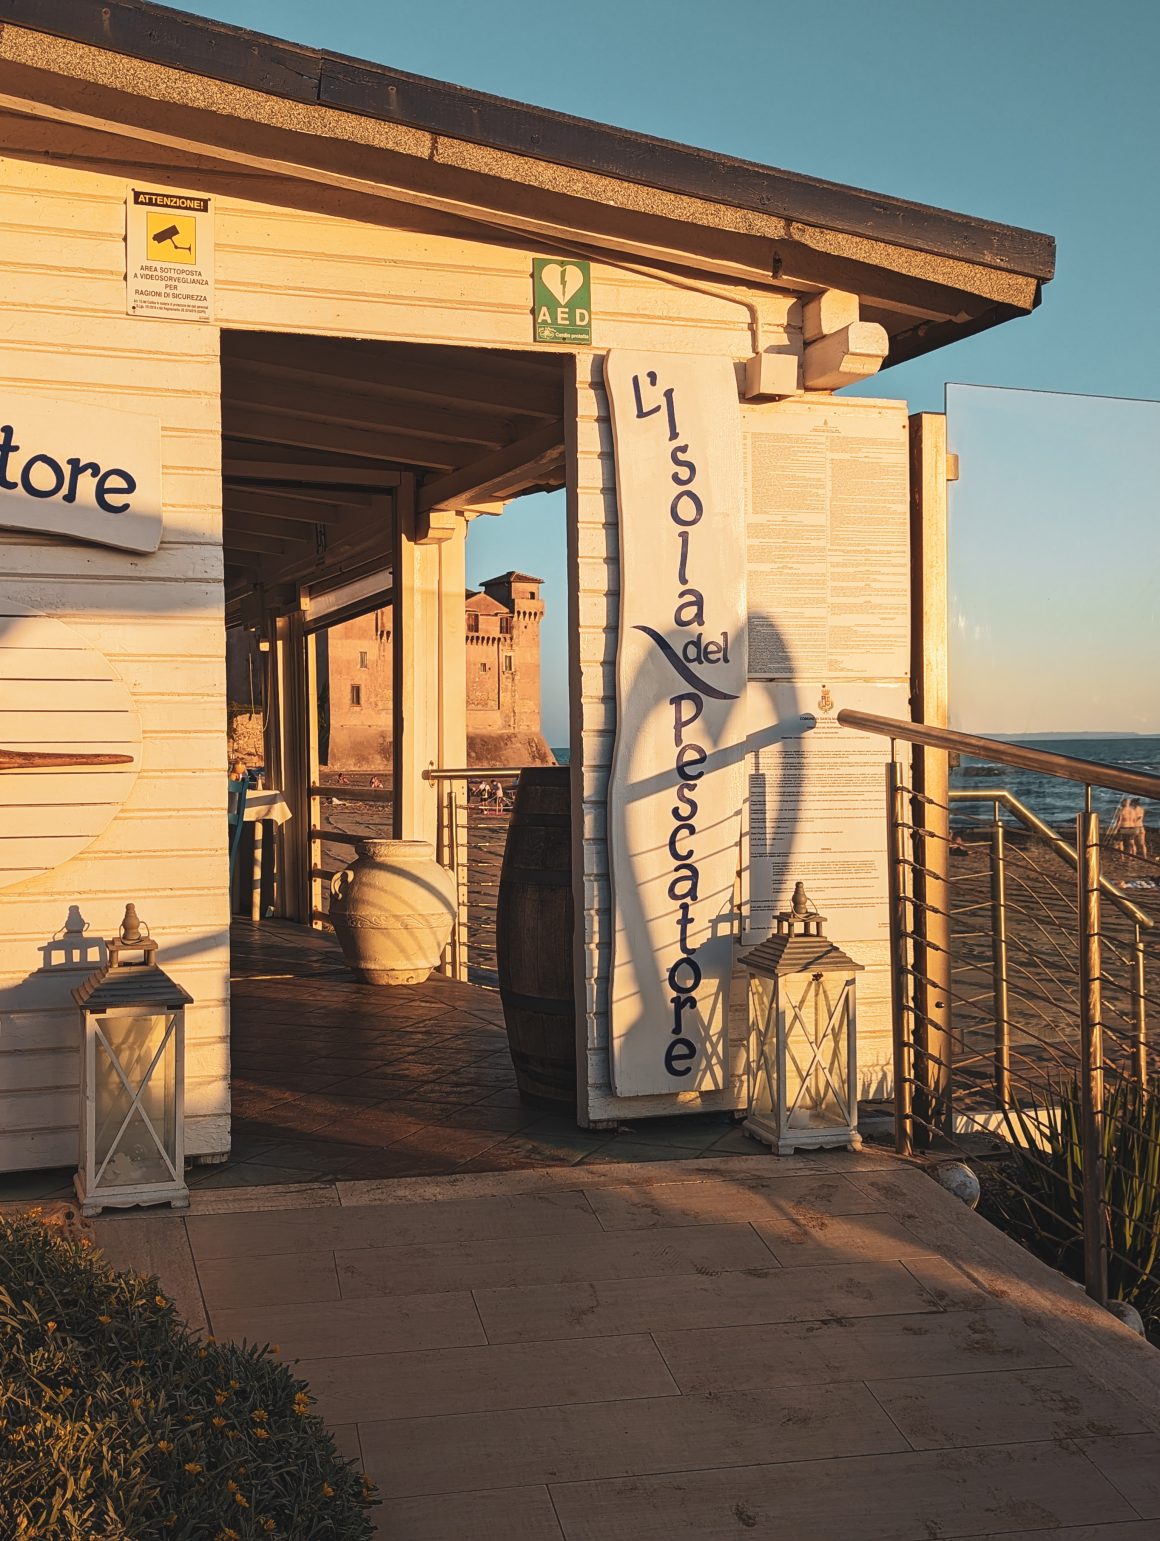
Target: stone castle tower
[(502, 640)]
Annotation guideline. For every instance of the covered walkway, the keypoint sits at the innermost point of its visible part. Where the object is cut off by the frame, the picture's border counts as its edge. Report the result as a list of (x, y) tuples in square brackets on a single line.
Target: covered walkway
[(335, 1079), (798, 1349)]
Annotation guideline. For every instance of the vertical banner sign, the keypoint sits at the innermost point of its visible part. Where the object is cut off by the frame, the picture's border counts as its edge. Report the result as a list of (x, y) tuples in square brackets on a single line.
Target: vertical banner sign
[(562, 300), (674, 801), (169, 255)]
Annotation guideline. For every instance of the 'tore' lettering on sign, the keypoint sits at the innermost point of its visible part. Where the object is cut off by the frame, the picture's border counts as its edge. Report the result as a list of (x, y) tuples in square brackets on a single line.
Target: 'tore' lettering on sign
[(677, 784), (82, 472)]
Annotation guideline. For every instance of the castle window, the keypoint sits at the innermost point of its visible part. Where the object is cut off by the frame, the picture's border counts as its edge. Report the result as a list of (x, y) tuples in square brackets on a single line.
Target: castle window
[(509, 664), (483, 668), (356, 695), (363, 661)]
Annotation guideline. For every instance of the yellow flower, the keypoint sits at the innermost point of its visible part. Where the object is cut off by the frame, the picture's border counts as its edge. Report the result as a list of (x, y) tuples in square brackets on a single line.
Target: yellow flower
[(301, 1401), (210, 1338), (233, 1385), (227, 1535), (138, 1364), (201, 1353), (218, 1422), (268, 1525), (261, 1433), (231, 1433), (193, 1467), (220, 1396), (327, 1490), (231, 1486), (104, 1320), (161, 1300), (85, 1243), (50, 1326), (135, 1403), (165, 1444), (259, 1415), (241, 1500)]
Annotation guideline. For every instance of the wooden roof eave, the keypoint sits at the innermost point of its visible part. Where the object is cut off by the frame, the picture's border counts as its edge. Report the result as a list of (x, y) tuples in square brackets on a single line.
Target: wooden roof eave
[(517, 196)]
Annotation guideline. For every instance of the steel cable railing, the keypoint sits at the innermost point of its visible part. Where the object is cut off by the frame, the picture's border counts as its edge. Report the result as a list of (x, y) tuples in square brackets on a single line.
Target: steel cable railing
[(1025, 959)]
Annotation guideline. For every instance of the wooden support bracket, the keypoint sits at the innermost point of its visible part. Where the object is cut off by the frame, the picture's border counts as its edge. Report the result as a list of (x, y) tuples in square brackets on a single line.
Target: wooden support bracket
[(844, 357)]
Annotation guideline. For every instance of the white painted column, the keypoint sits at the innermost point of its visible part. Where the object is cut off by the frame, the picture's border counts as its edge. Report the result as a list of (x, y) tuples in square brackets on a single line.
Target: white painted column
[(430, 717)]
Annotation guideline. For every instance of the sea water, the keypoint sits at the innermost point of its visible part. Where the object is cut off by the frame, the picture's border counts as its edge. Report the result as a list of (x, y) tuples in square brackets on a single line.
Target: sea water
[(1053, 799)]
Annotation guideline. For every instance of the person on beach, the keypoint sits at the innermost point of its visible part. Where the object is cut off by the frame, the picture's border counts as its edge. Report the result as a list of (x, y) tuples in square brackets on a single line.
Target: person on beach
[(1137, 841), (1118, 828)]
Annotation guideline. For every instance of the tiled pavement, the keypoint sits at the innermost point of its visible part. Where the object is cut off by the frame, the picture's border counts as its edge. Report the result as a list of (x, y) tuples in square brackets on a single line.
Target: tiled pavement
[(803, 1349)]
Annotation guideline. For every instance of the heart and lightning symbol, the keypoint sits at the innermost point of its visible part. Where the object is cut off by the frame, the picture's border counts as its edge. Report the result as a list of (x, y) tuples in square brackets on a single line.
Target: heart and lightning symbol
[(562, 279)]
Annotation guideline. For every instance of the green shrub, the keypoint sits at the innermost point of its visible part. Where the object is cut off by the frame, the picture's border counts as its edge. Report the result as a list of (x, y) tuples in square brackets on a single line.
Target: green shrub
[(117, 1423), (1040, 1202)]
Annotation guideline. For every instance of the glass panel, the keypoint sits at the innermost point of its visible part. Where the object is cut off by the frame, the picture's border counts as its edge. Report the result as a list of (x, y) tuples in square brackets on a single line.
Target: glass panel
[(763, 1026), (133, 1039), (1054, 547), (815, 1091)]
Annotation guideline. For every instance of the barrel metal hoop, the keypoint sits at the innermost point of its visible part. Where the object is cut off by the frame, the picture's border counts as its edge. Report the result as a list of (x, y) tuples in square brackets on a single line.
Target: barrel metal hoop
[(544, 1005)]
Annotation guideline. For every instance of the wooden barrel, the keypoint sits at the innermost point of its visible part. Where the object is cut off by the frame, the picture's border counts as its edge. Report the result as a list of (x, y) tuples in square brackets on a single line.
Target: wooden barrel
[(533, 930)]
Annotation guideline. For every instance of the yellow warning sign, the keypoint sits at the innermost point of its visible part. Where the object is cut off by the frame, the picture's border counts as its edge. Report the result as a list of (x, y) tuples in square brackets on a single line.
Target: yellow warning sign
[(171, 237)]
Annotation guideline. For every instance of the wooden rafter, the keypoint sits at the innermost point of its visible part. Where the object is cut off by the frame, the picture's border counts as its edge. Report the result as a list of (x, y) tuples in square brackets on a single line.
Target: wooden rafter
[(526, 463)]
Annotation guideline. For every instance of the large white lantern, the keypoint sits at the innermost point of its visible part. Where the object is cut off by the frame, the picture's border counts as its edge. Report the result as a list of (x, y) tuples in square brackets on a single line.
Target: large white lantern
[(132, 1148), (802, 1003)]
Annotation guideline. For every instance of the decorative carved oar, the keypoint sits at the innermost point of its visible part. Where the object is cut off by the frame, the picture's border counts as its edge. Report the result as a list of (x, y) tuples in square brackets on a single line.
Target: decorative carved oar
[(34, 759)]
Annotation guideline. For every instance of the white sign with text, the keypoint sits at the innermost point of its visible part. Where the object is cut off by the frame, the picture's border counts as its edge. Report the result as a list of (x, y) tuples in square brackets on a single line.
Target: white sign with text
[(67, 468), (675, 797)]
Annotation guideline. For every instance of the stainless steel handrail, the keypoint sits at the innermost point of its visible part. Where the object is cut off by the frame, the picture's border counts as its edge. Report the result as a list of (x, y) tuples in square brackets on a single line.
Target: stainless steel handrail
[(1089, 772)]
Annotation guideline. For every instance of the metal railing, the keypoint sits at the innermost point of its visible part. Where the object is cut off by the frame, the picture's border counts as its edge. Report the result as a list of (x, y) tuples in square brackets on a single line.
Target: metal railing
[(1021, 1001), (474, 808)]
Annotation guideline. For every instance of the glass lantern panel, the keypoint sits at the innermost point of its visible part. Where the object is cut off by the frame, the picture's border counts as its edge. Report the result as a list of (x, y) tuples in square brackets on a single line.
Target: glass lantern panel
[(816, 1092), (134, 1158), (763, 1027)]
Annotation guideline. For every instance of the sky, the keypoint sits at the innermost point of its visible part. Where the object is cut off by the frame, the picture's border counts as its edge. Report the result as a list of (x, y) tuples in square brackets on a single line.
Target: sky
[(1039, 113)]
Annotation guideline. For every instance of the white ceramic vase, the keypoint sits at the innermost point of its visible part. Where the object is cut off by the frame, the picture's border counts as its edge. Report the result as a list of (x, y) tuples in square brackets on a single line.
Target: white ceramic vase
[(392, 910)]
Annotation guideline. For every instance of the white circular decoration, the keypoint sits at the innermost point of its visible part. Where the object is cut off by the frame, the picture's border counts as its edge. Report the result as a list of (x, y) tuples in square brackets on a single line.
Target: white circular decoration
[(58, 697)]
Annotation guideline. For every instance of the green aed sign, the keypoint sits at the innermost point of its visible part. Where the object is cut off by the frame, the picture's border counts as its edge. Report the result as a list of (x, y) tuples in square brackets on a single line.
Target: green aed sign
[(562, 297)]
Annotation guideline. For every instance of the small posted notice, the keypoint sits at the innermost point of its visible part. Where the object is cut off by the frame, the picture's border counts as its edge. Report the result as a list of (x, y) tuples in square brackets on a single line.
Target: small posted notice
[(169, 255)]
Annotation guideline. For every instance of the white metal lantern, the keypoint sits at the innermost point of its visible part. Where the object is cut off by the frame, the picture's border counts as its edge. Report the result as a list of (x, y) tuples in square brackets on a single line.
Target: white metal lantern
[(802, 1000), (132, 1147)]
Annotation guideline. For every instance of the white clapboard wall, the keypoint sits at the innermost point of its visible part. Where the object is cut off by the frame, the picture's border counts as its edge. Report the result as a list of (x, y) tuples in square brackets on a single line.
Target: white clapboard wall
[(158, 622)]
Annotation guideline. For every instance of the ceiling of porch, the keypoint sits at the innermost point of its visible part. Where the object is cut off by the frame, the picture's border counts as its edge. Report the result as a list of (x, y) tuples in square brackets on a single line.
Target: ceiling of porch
[(319, 434)]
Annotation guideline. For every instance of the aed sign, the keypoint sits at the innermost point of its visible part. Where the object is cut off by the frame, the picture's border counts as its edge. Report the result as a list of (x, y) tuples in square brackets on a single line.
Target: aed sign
[(562, 299), (169, 254), (83, 472), (677, 784)]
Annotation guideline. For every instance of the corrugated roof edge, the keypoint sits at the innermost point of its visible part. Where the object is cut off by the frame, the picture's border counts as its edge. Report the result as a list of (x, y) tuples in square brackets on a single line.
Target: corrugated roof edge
[(202, 46)]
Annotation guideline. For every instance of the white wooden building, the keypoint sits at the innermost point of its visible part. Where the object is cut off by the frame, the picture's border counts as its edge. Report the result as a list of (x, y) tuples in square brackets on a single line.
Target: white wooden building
[(300, 288)]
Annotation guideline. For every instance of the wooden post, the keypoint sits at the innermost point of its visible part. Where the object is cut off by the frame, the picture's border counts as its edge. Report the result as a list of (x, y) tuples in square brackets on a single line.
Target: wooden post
[(451, 551), (928, 544), (313, 801), (287, 768)]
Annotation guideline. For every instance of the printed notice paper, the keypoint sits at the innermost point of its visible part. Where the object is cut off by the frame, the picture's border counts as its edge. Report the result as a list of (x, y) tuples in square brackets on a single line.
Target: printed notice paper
[(828, 547), (677, 786), (169, 254)]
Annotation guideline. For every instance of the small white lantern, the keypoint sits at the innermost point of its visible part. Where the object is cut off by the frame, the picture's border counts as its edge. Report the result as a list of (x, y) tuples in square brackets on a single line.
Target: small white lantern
[(802, 999), (132, 1147)]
